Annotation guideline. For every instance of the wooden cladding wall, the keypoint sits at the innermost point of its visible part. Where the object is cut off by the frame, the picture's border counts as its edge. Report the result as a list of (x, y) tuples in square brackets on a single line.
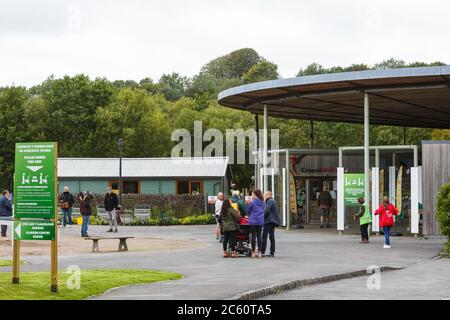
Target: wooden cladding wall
[(435, 173)]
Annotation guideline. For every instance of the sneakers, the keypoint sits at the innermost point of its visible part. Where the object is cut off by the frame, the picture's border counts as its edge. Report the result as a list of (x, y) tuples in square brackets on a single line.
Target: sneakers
[(115, 231), (321, 226), (110, 230), (386, 246)]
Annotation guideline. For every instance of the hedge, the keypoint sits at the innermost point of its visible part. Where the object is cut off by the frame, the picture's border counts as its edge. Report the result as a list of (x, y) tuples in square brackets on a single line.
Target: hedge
[(443, 213), (168, 220)]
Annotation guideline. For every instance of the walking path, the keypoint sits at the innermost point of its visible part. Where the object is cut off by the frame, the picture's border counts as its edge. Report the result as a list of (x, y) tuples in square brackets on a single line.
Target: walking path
[(299, 255)]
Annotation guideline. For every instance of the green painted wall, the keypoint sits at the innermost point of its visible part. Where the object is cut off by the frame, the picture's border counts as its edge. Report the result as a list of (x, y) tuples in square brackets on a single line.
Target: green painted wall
[(208, 187), (168, 186), (73, 186), (97, 186), (150, 187)]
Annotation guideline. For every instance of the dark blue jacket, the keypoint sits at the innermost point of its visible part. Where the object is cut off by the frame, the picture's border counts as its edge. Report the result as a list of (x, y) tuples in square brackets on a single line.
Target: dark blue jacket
[(271, 212), (255, 211), (5, 207)]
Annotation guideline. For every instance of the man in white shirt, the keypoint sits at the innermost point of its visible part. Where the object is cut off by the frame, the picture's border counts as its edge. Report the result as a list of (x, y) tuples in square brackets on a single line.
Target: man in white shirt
[(218, 207)]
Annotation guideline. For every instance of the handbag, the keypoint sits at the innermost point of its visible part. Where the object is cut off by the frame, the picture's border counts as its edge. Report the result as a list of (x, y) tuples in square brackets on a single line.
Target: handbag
[(65, 205)]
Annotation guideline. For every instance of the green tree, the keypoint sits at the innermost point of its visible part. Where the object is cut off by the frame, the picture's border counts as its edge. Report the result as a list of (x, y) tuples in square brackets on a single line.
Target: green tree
[(173, 86), (264, 70)]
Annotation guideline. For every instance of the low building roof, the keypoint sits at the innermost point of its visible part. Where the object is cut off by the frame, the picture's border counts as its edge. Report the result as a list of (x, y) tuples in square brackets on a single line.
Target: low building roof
[(142, 167)]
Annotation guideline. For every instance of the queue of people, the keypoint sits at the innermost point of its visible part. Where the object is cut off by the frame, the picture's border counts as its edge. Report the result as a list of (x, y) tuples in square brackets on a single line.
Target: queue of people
[(261, 214)]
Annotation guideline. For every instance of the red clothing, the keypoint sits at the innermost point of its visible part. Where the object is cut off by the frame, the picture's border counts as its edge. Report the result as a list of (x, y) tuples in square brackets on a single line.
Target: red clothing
[(386, 214), (243, 220)]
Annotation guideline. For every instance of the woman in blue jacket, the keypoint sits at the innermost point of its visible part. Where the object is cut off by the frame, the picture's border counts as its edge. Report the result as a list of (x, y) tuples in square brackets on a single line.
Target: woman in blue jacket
[(255, 211)]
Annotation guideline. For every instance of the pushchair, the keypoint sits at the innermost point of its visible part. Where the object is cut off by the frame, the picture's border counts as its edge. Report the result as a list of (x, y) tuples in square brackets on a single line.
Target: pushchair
[(243, 238)]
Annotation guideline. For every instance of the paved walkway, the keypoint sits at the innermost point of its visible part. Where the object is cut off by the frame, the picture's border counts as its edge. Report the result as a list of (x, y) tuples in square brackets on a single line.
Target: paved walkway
[(428, 280), (207, 275)]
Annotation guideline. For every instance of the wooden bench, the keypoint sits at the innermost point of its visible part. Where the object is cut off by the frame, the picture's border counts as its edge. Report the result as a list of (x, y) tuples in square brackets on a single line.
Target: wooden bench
[(122, 242)]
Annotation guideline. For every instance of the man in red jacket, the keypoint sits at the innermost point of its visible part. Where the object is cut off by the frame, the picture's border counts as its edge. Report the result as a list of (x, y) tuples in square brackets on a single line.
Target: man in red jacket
[(386, 211)]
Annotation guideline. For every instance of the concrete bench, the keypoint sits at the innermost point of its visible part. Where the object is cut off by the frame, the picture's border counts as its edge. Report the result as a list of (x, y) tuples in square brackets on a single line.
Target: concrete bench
[(122, 242)]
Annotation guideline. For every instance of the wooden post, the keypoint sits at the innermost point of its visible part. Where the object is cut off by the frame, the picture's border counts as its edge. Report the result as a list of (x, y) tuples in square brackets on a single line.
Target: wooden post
[(16, 260), (54, 243)]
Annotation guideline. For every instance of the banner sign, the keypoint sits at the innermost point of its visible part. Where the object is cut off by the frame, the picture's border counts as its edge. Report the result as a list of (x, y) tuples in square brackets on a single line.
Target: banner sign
[(353, 188), (34, 230), (34, 180)]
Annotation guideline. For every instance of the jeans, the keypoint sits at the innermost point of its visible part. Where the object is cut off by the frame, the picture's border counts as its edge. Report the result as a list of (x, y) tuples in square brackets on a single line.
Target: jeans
[(387, 231), (84, 226), (4, 228), (112, 219), (67, 213), (229, 237), (269, 230), (256, 235), (364, 231)]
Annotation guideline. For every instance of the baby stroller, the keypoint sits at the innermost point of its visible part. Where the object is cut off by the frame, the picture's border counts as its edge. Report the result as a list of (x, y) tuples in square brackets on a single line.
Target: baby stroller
[(243, 238)]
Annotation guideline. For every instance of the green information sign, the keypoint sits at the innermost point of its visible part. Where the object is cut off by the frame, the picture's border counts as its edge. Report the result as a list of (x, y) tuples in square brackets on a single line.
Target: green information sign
[(353, 188), (34, 180), (34, 230)]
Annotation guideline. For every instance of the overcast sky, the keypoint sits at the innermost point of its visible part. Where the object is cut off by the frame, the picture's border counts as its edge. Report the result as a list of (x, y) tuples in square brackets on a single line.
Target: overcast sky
[(132, 39)]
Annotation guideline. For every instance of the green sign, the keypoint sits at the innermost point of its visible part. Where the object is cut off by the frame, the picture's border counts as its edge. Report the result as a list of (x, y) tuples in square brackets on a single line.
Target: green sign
[(353, 188), (35, 180), (34, 230)]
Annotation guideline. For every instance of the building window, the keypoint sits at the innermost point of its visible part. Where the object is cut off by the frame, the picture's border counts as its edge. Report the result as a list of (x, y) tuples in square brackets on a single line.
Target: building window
[(128, 186), (189, 187)]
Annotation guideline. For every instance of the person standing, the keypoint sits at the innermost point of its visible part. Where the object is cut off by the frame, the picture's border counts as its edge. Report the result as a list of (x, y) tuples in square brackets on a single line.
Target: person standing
[(86, 211), (5, 209), (271, 220), (255, 211), (111, 205), (324, 201), (365, 218), (386, 211), (217, 210), (229, 218), (66, 202)]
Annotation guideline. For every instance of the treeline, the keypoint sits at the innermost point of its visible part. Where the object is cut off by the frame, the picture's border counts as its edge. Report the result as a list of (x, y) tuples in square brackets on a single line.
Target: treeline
[(87, 116)]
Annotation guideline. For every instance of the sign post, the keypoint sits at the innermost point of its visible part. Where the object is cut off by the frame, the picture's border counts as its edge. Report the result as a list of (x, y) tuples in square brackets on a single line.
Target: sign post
[(35, 201)]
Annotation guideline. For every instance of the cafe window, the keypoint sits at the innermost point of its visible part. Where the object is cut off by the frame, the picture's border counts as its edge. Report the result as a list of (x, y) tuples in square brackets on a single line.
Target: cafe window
[(128, 186), (189, 187)]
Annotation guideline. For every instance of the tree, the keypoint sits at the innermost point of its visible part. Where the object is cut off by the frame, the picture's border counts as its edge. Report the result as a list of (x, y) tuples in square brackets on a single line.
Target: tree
[(312, 69), (138, 119), (173, 86), (390, 63), (232, 65), (264, 70), (12, 129)]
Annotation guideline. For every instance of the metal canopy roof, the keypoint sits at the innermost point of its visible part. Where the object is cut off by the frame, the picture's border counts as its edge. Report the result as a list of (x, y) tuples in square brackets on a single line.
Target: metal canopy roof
[(411, 97), (142, 167)]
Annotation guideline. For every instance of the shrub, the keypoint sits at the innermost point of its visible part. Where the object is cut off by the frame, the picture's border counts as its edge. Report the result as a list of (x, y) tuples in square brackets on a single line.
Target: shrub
[(443, 213)]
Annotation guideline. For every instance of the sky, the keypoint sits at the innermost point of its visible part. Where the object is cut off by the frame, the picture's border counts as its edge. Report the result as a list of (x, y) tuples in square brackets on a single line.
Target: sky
[(134, 39)]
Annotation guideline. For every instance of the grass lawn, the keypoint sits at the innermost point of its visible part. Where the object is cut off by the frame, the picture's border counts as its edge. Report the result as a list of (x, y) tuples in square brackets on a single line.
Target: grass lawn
[(36, 285), (9, 263)]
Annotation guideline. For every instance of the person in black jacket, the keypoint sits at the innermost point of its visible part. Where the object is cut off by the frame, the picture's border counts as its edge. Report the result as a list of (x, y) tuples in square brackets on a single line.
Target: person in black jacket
[(5, 209), (271, 221), (66, 202), (111, 205)]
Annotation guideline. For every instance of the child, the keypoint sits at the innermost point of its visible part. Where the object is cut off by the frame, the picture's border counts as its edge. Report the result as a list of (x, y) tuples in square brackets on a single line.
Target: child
[(386, 211)]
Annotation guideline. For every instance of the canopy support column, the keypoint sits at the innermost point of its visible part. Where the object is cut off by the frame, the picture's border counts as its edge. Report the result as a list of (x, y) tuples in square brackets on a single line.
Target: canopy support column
[(257, 152), (265, 181), (366, 151)]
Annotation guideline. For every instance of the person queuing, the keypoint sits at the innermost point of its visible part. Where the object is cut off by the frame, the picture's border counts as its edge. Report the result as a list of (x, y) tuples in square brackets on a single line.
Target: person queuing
[(386, 211), (86, 211), (5, 209), (217, 210), (324, 201), (229, 218), (111, 205), (365, 218), (255, 211), (271, 220), (66, 202)]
